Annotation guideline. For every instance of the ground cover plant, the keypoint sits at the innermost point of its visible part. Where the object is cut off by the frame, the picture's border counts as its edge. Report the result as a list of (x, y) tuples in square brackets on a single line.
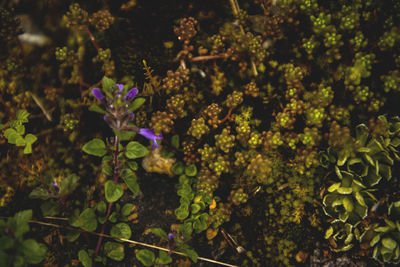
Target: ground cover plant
[(199, 133)]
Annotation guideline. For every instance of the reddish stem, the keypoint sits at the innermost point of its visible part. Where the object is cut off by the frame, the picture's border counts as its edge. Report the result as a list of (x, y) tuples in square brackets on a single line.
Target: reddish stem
[(116, 175), (227, 116), (92, 38)]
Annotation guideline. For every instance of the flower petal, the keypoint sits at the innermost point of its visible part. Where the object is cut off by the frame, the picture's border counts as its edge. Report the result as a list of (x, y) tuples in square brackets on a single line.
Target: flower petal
[(149, 134), (120, 87), (130, 94), (97, 93)]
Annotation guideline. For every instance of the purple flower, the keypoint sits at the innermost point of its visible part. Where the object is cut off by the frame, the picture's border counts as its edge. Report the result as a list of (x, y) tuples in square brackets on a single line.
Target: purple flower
[(130, 94), (149, 134), (97, 93), (120, 87)]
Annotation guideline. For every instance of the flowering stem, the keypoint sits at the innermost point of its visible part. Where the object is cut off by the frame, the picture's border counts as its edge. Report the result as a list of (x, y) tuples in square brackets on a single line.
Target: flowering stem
[(109, 207)]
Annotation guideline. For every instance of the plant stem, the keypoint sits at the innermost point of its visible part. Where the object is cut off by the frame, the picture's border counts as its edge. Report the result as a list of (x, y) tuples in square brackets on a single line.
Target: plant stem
[(92, 38), (116, 175)]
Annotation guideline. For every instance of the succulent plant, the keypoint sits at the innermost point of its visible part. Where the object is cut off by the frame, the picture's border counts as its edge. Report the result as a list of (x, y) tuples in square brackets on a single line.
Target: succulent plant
[(341, 236), (348, 199), (386, 242)]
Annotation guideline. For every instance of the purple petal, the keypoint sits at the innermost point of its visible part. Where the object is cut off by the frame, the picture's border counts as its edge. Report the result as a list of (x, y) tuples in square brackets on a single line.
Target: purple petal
[(120, 87), (97, 93), (130, 94), (149, 134)]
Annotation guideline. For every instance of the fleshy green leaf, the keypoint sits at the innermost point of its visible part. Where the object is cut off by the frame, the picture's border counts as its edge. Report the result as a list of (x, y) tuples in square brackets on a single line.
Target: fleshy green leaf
[(178, 168), (126, 209), (121, 230), (160, 233), (389, 243), (97, 109), (95, 147), (69, 184), (146, 257), (30, 138), (84, 258), (6, 242), (163, 258), (101, 207), (191, 170), (130, 181), (135, 150), (136, 104), (87, 220), (175, 141), (22, 115), (113, 191), (182, 212), (107, 84), (39, 192), (33, 251), (114, 251)]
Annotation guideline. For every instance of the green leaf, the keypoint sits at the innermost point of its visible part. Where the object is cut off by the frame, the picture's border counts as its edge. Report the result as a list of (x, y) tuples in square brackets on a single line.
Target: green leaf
[(389, 243), (107, 84), (11, 135), (20, 129), (113, 217), (50, 208), (2, 126), (178, 168), (39, 192), (160, 233), (28, 149), (191, 253), (20, 141), (135, 104), (21, 221), (135, 150), (30, 138), (33, 251), (195, 208), (68, 185), (191, 170), (121, 230), (126, 209), (101, 207), (175, 141), (22, 115), (182, 212), (84, 258), (87, 220), (6, 242), (114, 251), (130, 181), (97, 109), (200, 223), (72, 235), (186, 229), (113, 191), (163, 258), (95, 147), (133, 165), (146, 257), (124, 135), (329, 232)]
